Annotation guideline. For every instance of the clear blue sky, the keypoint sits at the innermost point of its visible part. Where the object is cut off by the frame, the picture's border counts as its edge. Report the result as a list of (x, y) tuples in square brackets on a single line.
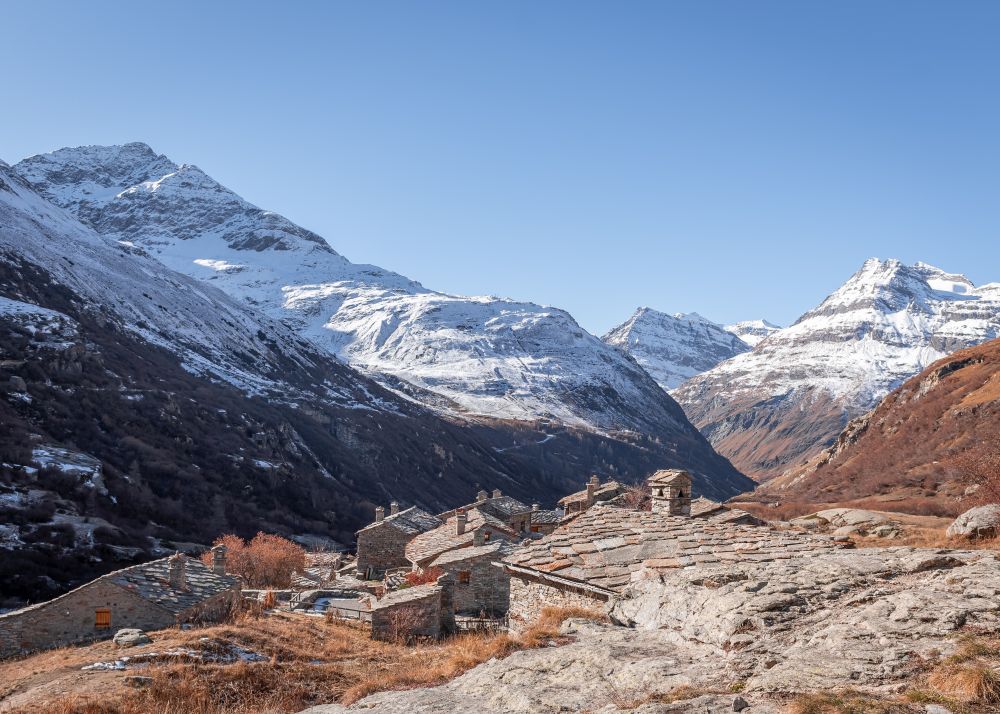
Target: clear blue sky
[(739, 159)]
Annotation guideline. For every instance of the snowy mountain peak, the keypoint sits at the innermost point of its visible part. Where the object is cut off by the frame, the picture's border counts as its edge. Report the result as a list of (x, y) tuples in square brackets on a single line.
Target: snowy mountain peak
[(673, 348), (887, 322), (752, 331)]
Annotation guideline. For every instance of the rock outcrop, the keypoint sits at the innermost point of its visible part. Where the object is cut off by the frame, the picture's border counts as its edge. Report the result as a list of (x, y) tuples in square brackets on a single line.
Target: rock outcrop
[(979, 522)]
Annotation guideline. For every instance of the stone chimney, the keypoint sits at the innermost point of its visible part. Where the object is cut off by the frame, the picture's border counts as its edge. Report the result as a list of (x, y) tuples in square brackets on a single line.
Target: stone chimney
[(394, 508), (460, 519), (177, 572), (379, 514), (482, 496), (479, 537), (591, 490), (219, 559), (671, 492), (535, 507), (496, 493)]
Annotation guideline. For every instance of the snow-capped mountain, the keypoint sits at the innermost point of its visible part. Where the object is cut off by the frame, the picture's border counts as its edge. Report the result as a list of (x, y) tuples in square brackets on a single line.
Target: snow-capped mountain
[(752, 331), (674, 348), (481, 356), (792, 395)]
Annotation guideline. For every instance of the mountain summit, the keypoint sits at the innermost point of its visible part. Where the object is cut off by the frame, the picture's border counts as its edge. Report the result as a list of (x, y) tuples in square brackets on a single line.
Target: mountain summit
[(673, 348), (776, 406)]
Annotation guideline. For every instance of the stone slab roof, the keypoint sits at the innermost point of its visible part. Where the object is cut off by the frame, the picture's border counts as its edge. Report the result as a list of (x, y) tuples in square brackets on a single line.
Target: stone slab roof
[(543, 516), (446, 537), (401, 597), (668, 476), (410, 521), (606, 490), (604, 546), (503, 507), (498, 550), (149, 581)]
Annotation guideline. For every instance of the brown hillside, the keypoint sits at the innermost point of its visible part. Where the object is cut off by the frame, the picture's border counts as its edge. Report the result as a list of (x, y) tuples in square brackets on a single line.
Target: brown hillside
[(926, 443)]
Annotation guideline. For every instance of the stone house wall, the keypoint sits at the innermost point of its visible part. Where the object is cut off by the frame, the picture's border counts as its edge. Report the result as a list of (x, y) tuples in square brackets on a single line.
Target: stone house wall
[(416, 617), (71, 618), (487, 589), (529, 597), (381, 548)]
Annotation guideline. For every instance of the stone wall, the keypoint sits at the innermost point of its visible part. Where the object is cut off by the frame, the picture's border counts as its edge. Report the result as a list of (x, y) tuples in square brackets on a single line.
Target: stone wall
[(487, 590), (71, 618), (529, 597), (381, 548), (405, 615)]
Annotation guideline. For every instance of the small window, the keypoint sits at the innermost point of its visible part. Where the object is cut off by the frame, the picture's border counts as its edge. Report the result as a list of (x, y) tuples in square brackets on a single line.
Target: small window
[(102, 619), (464, 577), (486, 535), (536, 529)]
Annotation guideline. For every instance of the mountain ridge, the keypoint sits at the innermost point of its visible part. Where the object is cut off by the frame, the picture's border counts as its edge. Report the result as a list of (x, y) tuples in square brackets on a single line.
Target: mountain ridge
[(776, 406)]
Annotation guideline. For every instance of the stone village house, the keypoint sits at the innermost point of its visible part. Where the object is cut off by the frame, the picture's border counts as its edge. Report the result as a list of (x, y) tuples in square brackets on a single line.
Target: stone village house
[(593, 557), (462, 530), (478, 586), (595, 492), (151, 596), (382, 544)]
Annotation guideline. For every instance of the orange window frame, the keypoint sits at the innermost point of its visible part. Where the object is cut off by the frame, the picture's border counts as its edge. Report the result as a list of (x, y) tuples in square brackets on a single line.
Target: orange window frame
[(102, 618), (464, 577)]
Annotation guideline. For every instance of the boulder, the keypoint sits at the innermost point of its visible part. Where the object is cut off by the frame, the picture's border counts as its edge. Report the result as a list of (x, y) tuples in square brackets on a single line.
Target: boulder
[(131, 638), (16, 384), (978, 522)]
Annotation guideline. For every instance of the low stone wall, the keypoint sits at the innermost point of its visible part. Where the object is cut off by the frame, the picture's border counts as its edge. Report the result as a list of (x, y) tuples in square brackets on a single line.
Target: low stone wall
[(409, 613), (529, 597), (71, 618)]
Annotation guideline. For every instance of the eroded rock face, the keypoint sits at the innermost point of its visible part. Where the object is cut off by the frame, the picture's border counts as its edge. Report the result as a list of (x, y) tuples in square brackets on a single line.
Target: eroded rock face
[(851, 618), (979, 522)]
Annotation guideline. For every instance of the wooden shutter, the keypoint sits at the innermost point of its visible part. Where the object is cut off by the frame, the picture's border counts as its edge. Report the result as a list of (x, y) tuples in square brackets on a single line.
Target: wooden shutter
[(102, 619)]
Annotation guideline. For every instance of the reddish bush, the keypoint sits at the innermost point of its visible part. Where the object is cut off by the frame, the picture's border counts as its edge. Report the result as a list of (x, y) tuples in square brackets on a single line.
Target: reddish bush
[(266, 561), (422, 577)]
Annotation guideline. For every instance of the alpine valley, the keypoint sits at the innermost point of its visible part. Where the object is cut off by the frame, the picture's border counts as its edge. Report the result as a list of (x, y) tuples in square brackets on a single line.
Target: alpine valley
[(177, 363)]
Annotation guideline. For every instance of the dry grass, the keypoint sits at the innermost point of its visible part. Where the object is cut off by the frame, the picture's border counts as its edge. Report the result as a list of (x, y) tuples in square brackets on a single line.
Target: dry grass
[(848, 702), (628, 699), (311, 661), (919, 537)]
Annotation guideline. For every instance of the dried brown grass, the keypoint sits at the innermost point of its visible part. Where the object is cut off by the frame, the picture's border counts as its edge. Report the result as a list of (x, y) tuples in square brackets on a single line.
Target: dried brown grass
[(848, 702), (311, 661)]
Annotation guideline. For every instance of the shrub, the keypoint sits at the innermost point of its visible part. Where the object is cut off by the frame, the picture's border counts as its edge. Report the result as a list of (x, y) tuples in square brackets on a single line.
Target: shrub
[(266, 561)]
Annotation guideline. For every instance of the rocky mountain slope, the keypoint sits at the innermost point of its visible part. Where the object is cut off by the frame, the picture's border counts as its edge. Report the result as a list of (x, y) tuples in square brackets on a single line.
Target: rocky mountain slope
[(674, 348), (778, 405), (920, 442), (142, 408), (495, 363)]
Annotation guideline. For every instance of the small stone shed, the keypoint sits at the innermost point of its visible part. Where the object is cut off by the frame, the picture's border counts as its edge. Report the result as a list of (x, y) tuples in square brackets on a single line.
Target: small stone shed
[(419, 611), (595, 492), (382, 544), (479, 585), (544, 521), (591, 559), (460, 531), (150, 596)]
